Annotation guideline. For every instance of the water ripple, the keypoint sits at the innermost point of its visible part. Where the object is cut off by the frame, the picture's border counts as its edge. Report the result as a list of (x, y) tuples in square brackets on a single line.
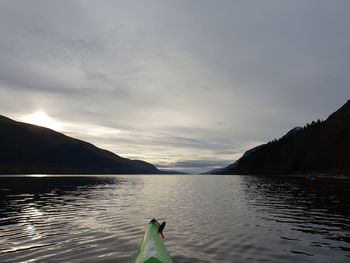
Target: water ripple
[(209, 218)]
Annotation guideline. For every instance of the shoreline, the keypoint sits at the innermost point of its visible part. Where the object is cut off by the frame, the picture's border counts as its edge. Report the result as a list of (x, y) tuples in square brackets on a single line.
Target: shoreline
[(315, 176), (308, 176)]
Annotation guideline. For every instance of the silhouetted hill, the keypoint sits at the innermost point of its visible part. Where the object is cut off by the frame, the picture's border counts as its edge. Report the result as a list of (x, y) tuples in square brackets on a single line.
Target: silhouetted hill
[(31, 149), (319, 147)]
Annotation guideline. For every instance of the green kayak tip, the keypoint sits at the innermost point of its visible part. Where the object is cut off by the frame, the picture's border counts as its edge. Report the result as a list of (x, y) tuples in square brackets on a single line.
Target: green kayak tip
[(152, 249)]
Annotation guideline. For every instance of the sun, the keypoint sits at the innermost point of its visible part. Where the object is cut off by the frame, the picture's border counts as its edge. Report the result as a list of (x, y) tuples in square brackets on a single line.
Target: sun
[(40, 118)]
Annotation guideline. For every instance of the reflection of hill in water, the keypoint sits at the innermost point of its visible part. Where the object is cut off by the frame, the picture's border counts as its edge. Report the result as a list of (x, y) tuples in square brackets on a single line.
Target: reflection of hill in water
[(62, 219), (17, 193), (45, 184), (318, 207), (248, 219)]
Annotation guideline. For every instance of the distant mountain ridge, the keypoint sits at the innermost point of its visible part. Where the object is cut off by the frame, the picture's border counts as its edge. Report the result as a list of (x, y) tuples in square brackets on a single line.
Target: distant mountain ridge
[(321, 147), (31, 149)]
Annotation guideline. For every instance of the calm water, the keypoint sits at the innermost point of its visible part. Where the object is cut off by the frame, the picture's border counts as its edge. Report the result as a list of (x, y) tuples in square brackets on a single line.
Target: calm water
[(209, 218)]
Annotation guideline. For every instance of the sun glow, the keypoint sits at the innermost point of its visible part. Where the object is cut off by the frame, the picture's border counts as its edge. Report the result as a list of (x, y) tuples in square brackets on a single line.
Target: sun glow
[(40, 118)]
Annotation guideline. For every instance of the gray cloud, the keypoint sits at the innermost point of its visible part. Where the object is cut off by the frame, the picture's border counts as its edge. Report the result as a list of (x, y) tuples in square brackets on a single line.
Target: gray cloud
[(195, 166), (178, 81)]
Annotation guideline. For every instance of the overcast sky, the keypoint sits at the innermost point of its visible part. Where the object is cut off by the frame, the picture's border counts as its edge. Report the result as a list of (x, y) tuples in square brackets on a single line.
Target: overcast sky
[(187, 85)]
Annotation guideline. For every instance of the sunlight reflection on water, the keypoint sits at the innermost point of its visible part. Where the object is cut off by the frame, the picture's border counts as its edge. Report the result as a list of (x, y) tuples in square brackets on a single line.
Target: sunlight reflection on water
[(209, 218)]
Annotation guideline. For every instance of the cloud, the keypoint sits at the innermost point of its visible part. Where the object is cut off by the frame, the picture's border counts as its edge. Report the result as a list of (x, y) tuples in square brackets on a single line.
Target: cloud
[(195, 166), (181, 82)]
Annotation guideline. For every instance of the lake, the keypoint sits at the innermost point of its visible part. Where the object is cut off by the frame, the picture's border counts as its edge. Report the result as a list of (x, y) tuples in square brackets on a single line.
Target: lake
[(237, 219)]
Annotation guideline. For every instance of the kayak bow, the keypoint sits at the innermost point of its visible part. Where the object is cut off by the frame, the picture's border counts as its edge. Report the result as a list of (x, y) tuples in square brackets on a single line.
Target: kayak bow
[(152, 248)]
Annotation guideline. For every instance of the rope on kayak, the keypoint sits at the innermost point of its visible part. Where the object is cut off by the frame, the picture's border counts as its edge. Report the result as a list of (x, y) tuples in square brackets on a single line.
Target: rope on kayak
[(161, 228)]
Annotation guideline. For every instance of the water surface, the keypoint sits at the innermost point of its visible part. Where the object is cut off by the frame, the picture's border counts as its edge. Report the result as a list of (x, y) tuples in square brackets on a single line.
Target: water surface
[(209, 218)]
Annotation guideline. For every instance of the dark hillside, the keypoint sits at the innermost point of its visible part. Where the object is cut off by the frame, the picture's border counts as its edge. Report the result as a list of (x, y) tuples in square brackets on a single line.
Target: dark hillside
[(319, 147), (30, 149)]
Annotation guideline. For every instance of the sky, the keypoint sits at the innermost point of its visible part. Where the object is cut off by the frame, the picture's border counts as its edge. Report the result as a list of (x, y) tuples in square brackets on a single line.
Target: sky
[(186, 85)]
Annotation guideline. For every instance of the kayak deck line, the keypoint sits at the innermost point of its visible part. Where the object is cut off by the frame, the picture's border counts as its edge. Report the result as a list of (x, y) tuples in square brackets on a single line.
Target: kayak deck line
[(152, 249)]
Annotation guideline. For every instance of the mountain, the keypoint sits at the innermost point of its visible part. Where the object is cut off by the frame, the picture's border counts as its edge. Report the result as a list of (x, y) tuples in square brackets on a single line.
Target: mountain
[(31, 149), (321, 147)]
